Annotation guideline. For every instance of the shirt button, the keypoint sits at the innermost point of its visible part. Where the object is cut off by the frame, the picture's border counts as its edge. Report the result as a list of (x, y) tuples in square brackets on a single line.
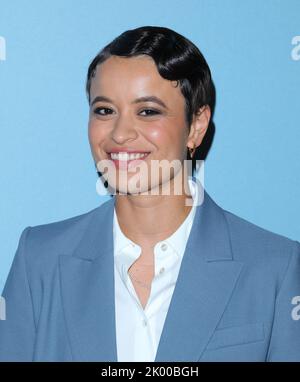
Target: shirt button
[(164, 246), (162, 270), (144, 322)]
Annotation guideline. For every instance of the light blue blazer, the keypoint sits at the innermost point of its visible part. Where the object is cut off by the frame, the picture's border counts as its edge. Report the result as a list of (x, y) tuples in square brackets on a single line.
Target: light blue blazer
[(234, 299)]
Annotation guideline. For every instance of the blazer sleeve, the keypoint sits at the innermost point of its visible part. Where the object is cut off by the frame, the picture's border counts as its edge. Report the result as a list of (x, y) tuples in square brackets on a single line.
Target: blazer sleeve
[(17, 330), (285, 338)]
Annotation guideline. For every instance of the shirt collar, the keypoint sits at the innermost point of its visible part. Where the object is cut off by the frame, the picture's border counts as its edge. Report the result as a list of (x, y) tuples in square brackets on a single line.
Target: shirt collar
[(177, 240)]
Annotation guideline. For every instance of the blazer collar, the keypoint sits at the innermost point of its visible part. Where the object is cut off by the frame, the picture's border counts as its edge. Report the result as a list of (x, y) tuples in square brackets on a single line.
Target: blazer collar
[(206, 279)]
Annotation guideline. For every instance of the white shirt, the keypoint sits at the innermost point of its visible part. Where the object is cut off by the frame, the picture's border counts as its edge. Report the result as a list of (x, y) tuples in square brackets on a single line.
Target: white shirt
[(138, 330)]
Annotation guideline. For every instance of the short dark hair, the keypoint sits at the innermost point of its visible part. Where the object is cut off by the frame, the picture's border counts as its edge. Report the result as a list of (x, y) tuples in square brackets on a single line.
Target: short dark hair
[(176, 59)]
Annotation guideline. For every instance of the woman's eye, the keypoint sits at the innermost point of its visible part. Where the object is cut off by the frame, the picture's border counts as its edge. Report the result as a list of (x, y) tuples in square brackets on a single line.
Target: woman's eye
[(106, 111), (150, 112), (102, 111)]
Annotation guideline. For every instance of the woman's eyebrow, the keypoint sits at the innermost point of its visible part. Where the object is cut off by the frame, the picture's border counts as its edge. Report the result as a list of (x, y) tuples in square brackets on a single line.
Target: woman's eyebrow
[(151, 99), (137, 100)]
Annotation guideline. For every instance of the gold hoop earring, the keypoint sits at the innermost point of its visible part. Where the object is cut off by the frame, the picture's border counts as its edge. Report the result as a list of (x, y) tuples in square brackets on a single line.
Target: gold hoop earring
[(192, 151)]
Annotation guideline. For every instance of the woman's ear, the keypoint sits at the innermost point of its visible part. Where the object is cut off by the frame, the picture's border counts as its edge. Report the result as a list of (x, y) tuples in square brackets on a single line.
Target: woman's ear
[(199, 126)]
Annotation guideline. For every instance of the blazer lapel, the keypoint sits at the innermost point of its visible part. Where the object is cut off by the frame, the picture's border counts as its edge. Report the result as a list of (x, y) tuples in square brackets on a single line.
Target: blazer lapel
[(204, 286), (87, 285)]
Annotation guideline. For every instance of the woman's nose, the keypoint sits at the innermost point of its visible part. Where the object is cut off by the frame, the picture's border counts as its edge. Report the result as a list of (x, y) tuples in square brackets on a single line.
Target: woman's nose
[(123, 130)]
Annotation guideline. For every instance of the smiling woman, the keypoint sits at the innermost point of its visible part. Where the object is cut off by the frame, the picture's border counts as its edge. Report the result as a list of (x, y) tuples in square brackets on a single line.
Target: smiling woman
[(149, 277), (134, 110)]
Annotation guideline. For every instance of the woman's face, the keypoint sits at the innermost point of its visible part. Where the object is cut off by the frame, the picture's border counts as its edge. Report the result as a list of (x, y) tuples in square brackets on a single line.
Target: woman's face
[(124, 119)]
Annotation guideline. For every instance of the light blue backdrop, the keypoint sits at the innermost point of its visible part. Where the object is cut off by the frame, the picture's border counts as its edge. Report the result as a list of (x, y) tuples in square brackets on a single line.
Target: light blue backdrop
[(47, 172)]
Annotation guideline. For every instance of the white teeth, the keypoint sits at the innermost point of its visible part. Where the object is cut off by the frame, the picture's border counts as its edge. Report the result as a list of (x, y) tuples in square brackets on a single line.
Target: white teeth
[(126, 156)]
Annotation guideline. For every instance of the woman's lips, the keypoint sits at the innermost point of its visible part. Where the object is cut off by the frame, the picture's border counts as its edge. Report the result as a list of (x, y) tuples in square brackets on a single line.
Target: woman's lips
[(125, 164)]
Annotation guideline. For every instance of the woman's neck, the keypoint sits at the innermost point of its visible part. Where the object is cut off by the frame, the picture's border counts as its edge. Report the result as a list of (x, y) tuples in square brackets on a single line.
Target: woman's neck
[(147, 219)]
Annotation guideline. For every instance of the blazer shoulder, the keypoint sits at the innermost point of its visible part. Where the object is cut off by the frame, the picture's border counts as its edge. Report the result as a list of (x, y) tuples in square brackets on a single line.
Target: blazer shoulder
[(254, 243), (45, 242)]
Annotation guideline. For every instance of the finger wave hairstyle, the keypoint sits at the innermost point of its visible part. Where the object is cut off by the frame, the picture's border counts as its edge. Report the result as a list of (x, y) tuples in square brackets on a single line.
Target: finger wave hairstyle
[(176, 59)]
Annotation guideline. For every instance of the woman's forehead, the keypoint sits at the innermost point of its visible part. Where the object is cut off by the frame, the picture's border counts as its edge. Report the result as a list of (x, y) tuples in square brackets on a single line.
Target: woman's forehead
[(132, 75)]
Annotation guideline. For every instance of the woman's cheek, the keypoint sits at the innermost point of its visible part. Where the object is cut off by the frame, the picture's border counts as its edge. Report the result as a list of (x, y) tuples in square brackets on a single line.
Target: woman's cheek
[(156, 133), (164, 134), (95, 139), (95, 133)]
